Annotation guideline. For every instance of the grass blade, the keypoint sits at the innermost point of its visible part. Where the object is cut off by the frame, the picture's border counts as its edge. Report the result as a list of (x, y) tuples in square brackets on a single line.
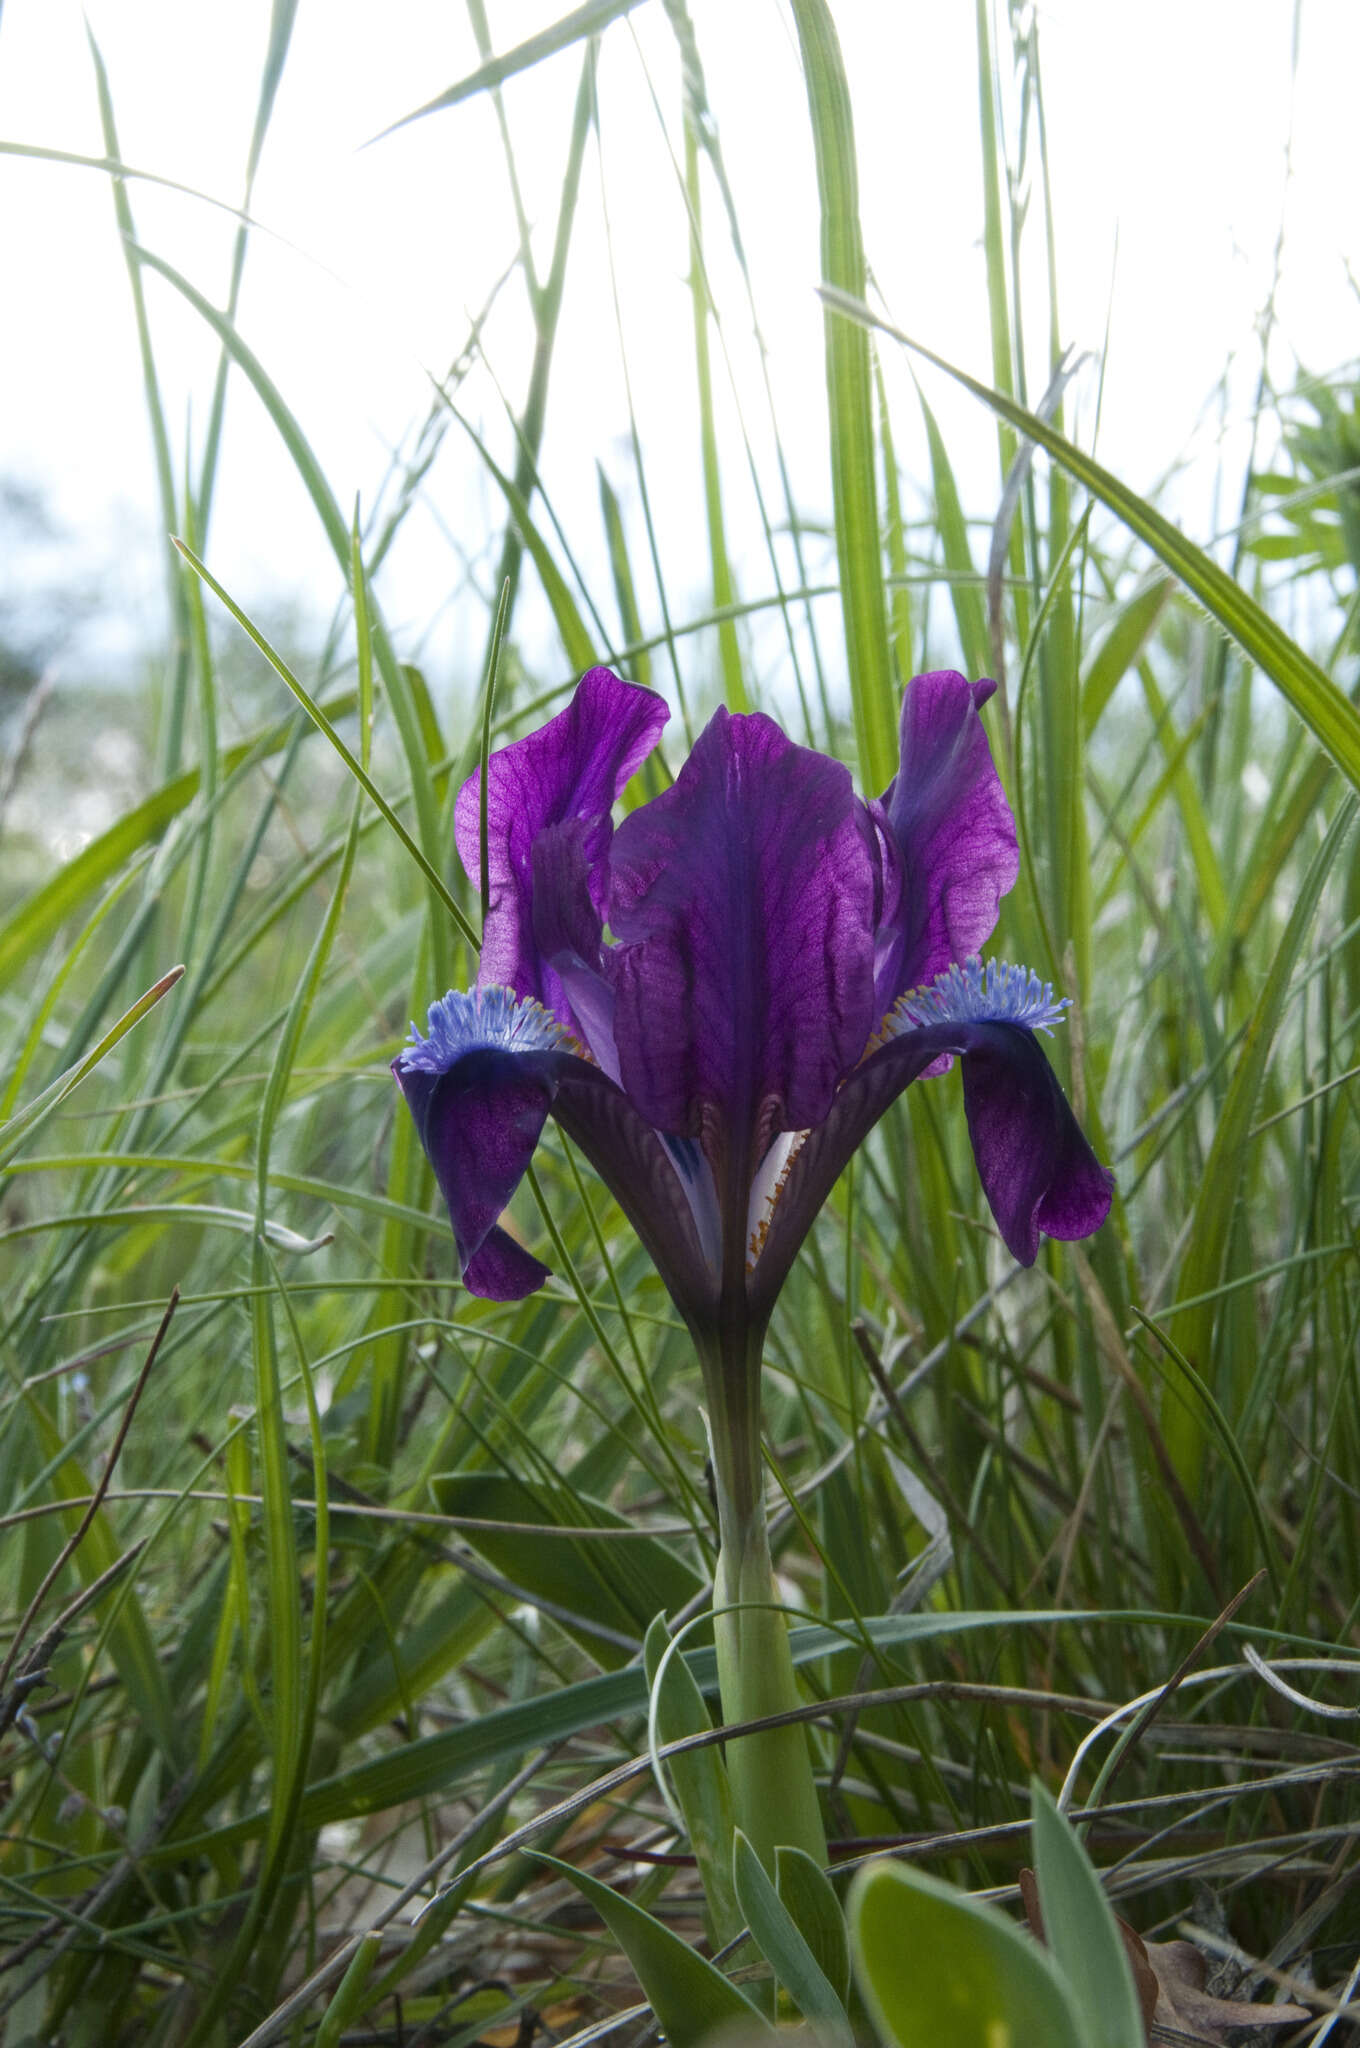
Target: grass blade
[(850, 396), (1327, 712), (585, 21)]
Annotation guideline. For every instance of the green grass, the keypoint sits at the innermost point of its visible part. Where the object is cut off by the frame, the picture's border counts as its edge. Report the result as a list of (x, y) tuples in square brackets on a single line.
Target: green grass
[(266, 1695)]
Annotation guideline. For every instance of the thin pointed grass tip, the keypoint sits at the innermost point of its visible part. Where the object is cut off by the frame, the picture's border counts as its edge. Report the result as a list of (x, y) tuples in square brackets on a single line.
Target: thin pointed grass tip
[(479, 1020), (973, 994)]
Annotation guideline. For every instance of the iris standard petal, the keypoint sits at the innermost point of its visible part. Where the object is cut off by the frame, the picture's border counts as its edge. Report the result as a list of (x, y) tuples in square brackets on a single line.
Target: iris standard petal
[(568, 931), (952, 827), (479, 1088), (571, 768), (742, 899)]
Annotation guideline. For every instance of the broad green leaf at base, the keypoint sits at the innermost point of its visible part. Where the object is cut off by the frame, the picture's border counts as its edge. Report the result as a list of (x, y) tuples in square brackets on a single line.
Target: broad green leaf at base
[(938, 1969)]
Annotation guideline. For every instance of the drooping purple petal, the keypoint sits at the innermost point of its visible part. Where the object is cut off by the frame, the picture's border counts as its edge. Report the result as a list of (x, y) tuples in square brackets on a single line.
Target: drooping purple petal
[(742, 899), (952, 827), (1037, 1170), (479, 1088), (571, 769), (503, 1270)]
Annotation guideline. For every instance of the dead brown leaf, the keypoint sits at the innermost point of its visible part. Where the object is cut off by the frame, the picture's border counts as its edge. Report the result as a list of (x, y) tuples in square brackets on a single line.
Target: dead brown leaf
[(1169, 1977), (1181, 1972)]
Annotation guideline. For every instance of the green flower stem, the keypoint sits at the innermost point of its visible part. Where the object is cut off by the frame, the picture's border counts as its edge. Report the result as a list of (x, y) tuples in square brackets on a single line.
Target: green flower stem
[(773, 1792)]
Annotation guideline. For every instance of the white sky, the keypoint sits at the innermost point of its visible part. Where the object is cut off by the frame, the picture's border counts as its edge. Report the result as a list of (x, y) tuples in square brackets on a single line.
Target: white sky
[(1175, 135)]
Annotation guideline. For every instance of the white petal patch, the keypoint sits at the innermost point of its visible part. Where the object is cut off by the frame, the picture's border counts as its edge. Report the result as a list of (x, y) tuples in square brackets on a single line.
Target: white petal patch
[(769, 1178)]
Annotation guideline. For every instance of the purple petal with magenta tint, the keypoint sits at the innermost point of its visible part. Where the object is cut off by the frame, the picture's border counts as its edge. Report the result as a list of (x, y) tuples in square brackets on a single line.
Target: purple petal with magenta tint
[(568, 934), (952, 826), (479, 1088), (742, 901), (571, 768)]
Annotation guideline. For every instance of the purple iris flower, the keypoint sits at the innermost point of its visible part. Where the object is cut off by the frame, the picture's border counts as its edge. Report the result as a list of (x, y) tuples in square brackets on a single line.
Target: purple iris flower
[(719, 998)]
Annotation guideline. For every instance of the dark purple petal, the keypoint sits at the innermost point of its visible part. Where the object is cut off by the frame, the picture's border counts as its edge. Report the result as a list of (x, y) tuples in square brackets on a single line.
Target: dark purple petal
[(1036, 1167), (479, 1089), (1037, 1170), (502, 1270), (952, 827), (826, 1152), (562, 864), (572, 768), (479, 1124), (743, 901)]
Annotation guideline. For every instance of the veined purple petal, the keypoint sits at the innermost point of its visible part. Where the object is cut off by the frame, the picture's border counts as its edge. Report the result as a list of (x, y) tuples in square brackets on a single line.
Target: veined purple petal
[(1036, 1167), (952, 827), (571, 769), (479, 1088), (568, 933), (742, 899)]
